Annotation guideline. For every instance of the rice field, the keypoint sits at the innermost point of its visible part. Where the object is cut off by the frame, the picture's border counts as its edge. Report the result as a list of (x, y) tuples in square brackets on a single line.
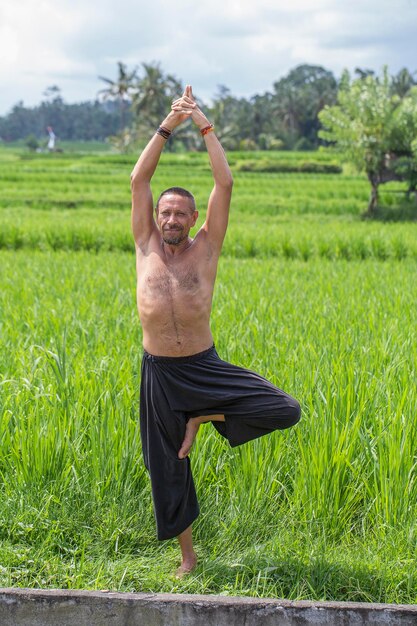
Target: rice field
[(308, 294)]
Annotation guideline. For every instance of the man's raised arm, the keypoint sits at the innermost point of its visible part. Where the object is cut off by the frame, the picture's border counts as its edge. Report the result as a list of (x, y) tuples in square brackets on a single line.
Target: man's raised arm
[(219, 202), (143, 223)]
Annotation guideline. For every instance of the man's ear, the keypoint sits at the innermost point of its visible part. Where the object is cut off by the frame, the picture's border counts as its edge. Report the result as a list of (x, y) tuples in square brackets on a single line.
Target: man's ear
[(195, 217)]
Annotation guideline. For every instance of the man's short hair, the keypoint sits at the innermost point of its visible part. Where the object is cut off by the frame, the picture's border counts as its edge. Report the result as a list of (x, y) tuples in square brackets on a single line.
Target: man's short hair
[(177, 191)]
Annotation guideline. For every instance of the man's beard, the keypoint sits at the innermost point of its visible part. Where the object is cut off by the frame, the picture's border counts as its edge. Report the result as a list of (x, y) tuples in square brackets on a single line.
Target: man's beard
[(173, 237)]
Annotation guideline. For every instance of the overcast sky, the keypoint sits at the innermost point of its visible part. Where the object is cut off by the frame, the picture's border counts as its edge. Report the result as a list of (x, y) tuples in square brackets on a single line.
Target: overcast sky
[(243, 44)]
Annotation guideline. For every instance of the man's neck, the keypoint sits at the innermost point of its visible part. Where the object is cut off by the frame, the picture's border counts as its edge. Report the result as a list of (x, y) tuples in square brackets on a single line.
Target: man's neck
[(172, 250)]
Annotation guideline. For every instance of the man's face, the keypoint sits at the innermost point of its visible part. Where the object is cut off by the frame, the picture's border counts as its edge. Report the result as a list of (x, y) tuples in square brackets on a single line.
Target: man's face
[(175, 217)]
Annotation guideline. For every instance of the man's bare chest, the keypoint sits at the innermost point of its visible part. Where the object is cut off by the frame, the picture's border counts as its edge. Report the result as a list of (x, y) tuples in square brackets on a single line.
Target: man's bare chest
[(165, 280), (160, 279)]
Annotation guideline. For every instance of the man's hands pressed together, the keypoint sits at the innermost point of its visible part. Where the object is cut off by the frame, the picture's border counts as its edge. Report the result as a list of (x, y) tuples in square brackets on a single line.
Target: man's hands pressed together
[(182, 109)]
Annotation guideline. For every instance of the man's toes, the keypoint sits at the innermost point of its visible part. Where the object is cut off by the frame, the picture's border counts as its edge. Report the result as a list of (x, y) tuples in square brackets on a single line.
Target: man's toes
[(190, 433), (183, 452), (185, 449)]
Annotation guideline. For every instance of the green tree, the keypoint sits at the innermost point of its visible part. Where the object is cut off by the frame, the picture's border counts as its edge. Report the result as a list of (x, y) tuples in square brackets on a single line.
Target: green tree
[(242, 123), (152, 97), (371, 127), (227, 114), (119, 90), (359, 126), (299, 97), (265, 131)]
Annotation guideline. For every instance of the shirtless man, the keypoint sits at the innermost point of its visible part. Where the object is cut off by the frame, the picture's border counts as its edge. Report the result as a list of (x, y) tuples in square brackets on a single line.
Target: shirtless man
[(184, 383)]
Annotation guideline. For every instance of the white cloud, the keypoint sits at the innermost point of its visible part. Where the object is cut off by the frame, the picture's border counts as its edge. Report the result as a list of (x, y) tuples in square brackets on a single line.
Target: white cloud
[(243, 44)]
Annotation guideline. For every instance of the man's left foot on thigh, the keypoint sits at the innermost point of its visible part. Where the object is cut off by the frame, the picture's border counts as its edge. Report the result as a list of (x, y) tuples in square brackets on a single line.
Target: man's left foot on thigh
[(191, 430)]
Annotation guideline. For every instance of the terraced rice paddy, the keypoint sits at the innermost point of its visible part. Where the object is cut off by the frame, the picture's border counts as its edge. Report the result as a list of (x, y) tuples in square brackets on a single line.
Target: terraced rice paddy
[(308, 294)]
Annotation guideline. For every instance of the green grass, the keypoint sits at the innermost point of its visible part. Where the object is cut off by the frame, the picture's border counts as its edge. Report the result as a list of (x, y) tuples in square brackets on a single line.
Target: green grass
[(321, 302), (66, 201), (304, 238), (20, 147), (326, 510)]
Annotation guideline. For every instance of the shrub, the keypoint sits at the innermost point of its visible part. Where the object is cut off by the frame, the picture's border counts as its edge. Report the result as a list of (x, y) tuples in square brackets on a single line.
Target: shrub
[(32, 143)]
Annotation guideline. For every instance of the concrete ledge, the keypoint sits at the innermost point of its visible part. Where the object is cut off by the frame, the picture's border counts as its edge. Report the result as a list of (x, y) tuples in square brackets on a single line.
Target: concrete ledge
[(37, 607)]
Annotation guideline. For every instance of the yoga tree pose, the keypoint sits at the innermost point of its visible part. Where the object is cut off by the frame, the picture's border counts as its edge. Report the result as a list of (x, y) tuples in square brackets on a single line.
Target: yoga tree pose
[(183, 381)]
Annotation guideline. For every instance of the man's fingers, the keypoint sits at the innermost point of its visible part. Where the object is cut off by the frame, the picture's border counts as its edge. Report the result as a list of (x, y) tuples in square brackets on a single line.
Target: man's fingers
[(187, 113), (182, 103), (182, 107), (188, 92), (184, 99)]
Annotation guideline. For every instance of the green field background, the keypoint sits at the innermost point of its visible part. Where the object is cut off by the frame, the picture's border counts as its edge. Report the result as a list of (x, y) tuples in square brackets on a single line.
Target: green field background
[(308, 294)]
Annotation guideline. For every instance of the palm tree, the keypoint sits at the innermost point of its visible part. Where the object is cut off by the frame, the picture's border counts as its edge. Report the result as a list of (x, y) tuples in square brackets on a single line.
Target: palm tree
[(120, 89), (154, 93), (299, 97), (152, 97)]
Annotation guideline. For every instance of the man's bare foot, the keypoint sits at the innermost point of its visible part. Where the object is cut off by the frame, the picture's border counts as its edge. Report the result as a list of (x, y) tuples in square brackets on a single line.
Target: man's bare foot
[(191, 430), (186, 566)]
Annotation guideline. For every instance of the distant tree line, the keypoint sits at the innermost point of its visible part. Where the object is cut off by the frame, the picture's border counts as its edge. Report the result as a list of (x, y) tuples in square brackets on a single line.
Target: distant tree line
[(80, 121), (131, 106)]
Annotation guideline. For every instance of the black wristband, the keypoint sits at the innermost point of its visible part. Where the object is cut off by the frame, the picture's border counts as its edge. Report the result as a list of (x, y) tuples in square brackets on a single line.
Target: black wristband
[(164, 132)]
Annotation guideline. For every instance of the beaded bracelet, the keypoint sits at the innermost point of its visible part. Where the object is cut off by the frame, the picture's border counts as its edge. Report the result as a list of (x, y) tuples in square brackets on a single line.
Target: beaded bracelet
[(206, 129), (164, 132)]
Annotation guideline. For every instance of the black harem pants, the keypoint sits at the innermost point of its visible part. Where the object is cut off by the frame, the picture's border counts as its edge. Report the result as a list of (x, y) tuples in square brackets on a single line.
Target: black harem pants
[(174, 389)]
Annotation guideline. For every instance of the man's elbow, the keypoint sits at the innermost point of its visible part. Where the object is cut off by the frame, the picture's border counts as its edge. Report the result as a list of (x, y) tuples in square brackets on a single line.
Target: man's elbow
[(134, 177), (227, 182), (137, 179)]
